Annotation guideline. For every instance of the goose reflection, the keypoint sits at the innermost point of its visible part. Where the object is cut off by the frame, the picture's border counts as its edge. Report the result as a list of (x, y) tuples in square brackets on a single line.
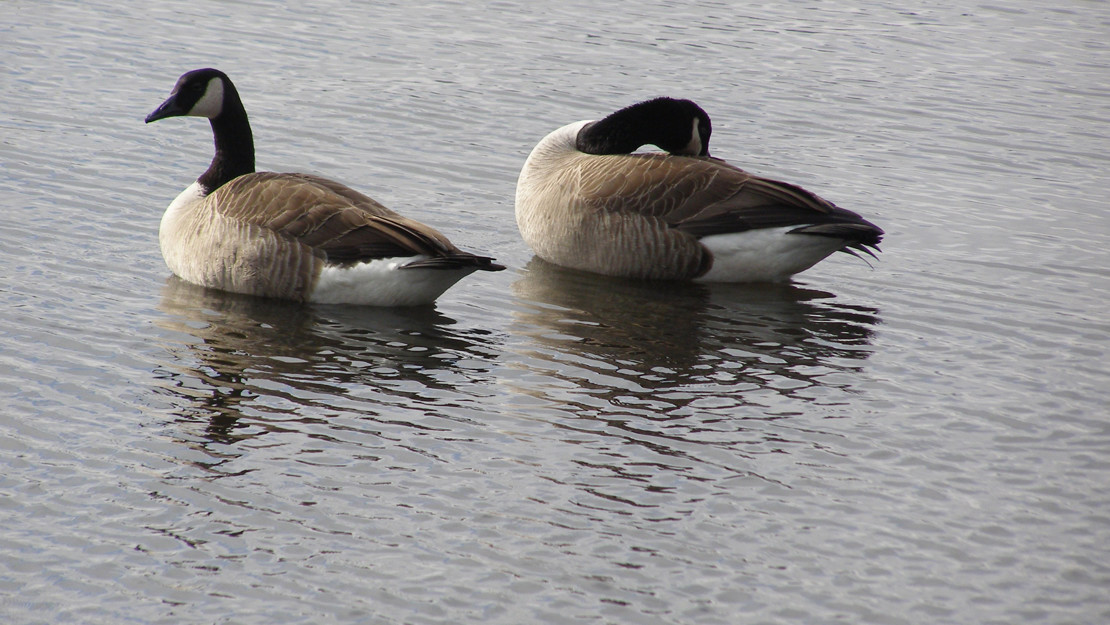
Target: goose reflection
[(655, 384), (632, 341), (244, 366), (609, 320)]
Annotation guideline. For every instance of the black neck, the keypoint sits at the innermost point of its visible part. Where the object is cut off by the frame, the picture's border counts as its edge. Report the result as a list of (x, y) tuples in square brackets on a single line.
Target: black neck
[(234, 145), (664, 122), (612, 135)]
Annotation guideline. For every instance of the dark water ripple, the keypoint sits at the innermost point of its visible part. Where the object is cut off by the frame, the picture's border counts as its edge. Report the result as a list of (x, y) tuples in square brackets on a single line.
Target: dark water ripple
[(924, 441)]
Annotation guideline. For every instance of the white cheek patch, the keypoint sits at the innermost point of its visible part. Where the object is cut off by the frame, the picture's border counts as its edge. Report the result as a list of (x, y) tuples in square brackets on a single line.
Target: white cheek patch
[(694, 147), (212, 102)]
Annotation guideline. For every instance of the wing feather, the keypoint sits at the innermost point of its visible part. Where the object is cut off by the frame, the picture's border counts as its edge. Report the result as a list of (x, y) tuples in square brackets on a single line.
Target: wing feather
[(703, 195), (338, 223)]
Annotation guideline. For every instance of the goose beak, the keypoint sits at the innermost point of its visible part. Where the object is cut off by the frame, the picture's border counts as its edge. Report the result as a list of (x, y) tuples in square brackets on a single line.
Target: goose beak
[(169, 108)]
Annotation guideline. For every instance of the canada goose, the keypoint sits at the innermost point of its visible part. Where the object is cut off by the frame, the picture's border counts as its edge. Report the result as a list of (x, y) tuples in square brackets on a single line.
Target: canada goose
[(585, 201), (292, 236)]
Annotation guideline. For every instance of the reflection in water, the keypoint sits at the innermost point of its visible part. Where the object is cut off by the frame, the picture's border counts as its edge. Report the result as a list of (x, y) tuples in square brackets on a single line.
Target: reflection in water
[(688, 332), (247, 364), (695, 360)]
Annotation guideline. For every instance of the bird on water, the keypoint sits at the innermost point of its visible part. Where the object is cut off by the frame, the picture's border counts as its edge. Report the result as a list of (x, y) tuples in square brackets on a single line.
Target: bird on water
[(585, 199), (292, 235)]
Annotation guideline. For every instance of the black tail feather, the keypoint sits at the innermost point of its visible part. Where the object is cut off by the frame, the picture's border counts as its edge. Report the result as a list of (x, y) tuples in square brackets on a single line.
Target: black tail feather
[(456, 261)]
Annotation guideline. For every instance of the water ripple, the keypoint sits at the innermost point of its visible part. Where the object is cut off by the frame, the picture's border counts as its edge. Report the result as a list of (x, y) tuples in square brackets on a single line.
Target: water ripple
[(923, 441)]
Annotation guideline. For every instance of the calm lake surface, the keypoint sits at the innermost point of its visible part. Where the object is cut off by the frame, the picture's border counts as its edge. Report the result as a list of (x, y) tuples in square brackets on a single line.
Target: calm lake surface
[(922, 441)]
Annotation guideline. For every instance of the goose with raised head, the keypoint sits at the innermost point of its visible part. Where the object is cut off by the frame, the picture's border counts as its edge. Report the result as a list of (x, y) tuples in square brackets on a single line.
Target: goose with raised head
[(290, 235), (586, 201)]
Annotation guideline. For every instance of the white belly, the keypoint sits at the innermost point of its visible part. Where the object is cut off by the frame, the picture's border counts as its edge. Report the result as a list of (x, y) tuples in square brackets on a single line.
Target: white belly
[(384, 283), (764, 255)]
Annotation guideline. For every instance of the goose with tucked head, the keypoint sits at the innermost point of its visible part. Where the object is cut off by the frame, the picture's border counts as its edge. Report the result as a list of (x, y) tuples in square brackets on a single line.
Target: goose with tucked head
[(290, 235), (586, 201)]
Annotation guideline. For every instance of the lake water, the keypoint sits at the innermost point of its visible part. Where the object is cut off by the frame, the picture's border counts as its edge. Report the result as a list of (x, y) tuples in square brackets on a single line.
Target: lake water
[(922, 441)]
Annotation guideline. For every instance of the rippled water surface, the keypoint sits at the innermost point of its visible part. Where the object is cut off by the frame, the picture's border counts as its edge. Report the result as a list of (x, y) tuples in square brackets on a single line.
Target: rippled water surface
[(924, 441)]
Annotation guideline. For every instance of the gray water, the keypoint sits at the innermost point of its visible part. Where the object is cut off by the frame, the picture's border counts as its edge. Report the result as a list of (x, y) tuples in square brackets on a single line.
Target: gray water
[(924, 441)]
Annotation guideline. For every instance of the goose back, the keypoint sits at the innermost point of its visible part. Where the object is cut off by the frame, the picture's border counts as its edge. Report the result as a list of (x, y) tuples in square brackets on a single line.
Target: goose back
[(272, 235)]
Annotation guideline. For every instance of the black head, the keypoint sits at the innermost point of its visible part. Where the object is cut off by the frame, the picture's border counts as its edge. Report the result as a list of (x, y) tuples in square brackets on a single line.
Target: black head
[(677, 126), (199, 93), (209, 93)]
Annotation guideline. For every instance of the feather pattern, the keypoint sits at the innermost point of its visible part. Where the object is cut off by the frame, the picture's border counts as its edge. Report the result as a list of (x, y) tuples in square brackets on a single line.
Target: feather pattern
[(649, 215)]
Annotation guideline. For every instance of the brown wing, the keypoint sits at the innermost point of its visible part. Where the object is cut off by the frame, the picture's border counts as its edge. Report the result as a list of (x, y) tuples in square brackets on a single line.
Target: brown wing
[(356, 199), (336, 222), (700, 195)]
